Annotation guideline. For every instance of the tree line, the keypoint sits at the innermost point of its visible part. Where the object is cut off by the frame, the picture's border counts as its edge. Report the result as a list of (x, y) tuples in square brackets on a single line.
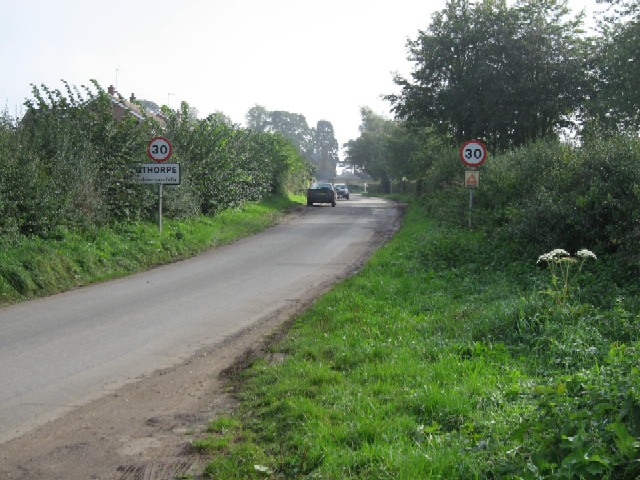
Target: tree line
[(318, 145), (558, 107)]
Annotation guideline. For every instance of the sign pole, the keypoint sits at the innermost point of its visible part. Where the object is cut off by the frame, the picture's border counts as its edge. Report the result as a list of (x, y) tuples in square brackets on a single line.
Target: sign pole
[(160, 208), (470, 204), (159, 150), (473, 153)]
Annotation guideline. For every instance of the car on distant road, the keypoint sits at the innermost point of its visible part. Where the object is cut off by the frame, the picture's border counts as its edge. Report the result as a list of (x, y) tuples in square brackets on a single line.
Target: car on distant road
[(321, 192), (342, 191)]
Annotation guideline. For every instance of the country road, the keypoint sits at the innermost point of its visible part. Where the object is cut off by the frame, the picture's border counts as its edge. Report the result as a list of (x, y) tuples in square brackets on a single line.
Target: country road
[(61, 353)]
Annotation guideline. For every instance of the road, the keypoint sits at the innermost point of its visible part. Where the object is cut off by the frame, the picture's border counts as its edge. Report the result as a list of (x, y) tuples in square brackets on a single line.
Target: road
[(62, 352)]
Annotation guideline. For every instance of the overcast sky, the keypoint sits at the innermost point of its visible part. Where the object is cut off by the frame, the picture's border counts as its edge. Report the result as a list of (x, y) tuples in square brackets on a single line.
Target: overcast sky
[(323, 59)]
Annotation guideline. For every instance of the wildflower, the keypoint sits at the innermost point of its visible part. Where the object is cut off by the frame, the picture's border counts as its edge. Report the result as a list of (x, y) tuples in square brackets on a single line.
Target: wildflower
[(584, 253), (553, 255), (560, 265)]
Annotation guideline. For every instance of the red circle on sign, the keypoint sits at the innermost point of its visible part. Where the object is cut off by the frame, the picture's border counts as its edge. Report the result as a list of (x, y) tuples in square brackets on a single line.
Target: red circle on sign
[(473, 153), (159, 149)]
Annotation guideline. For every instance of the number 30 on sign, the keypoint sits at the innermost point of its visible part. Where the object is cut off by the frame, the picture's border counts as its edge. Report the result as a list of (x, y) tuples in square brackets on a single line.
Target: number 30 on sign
[(473, 153), (159, 149)]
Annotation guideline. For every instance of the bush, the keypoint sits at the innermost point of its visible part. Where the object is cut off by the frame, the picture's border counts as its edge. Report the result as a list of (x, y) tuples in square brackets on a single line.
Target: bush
[(67, 165), (550, 194)]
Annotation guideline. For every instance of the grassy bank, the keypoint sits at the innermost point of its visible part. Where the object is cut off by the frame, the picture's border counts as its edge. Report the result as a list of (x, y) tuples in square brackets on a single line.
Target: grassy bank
[(31, 267), (451, 356)]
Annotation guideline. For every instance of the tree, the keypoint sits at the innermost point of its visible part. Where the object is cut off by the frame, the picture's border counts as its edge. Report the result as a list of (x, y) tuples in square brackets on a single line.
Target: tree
[(325, 149), (292, 126), (616, 64), (370, 151), (317, 145), (258, 118), (620, 10), (507, 75), (389, 150)]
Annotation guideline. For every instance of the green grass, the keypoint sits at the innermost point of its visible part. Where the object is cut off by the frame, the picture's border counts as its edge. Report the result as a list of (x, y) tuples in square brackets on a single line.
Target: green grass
[(443, 359), (32, 267)]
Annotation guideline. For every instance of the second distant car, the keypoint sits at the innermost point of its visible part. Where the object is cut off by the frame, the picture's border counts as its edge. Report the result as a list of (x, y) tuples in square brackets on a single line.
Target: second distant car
[(342, 191), (320, 192)]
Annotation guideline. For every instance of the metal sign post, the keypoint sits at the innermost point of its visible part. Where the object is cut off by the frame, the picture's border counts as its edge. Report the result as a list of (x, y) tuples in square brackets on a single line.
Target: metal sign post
[(470, 204), (473, 153), (160, 208), (159, 150), (471, 181)]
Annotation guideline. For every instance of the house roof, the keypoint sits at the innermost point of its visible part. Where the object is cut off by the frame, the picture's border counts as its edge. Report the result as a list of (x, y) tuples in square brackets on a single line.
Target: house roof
[(131, 108)]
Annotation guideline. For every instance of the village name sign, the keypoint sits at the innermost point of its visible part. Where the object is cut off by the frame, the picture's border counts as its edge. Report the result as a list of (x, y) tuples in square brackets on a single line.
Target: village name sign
[(159, 150)]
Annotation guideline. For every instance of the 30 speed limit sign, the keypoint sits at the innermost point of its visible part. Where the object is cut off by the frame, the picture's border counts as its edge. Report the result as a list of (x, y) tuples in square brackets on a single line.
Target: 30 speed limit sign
[(159, 149), (473, 153)]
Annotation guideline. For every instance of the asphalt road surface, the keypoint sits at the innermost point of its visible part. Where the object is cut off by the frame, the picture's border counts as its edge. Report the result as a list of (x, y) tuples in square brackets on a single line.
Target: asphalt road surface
[(61, 352)]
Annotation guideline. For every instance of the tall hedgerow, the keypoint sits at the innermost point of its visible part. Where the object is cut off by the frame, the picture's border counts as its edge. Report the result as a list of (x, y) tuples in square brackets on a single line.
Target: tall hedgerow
[(225, 165), (67, 164), (81, 159), (552, 194)]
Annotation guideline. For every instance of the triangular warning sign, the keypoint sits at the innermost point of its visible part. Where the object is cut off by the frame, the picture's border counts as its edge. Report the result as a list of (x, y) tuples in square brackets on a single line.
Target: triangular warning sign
[(471, 178)]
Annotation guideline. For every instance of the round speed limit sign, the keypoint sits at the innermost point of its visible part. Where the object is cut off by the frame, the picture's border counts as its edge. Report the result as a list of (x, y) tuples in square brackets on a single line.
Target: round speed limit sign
[(159, 149), (473, 153)]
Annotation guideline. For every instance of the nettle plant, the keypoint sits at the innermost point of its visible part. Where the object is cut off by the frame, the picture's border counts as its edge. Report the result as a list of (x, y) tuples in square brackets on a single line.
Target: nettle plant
[(564, 269)]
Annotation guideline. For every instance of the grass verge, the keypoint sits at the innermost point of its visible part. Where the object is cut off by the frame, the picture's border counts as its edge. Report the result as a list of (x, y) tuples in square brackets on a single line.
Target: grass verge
[(448, 357), (32, 267)]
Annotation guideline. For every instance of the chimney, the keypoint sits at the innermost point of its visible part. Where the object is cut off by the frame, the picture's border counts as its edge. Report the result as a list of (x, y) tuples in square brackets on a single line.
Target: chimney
[(111, 90), (133, 98)]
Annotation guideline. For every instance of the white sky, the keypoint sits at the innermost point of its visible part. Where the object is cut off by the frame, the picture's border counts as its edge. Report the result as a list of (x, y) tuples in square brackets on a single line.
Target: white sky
[(323, 59)]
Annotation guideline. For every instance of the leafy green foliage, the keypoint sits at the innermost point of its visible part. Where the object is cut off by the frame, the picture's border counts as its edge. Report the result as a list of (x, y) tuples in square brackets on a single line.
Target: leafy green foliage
[(318, 145), (443, 359), (615, 103), (32, 266), (67, 164), (549, 194), (506, 74), (370, 151), (325, 149)]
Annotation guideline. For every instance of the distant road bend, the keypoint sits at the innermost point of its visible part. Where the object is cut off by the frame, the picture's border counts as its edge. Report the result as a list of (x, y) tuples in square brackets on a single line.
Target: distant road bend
[(61, 352)]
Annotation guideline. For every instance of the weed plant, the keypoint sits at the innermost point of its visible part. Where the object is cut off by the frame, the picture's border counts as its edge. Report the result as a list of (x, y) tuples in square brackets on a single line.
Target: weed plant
[(444, 358)]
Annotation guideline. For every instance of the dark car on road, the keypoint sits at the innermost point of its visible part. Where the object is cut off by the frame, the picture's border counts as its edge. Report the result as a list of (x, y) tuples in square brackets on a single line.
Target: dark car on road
[(320, 192), (342, 191)]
